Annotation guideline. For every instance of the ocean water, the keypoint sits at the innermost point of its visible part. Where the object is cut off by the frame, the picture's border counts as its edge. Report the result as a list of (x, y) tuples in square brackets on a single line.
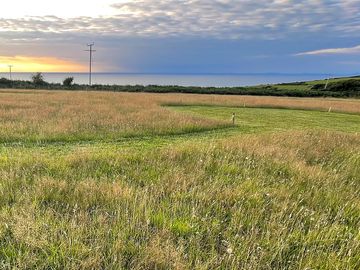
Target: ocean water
[(217, 80)]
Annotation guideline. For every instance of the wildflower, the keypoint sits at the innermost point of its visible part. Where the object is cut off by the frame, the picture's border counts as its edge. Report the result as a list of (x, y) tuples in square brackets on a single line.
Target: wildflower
[(229, 250)]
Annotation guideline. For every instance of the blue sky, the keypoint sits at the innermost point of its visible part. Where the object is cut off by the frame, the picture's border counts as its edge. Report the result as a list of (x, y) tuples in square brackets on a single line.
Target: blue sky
[(184, 36)]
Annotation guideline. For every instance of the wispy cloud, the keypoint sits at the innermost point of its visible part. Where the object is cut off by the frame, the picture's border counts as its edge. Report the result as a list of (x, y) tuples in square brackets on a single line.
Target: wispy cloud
[(349, 50), (211, 18), (188, 35)]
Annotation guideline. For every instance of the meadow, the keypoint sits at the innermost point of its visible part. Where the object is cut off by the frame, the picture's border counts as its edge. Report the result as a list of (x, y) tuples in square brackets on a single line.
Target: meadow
[(102, 180)]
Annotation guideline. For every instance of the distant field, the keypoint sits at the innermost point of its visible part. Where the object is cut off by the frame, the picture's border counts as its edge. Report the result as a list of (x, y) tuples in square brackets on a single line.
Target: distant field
[(101, 180)]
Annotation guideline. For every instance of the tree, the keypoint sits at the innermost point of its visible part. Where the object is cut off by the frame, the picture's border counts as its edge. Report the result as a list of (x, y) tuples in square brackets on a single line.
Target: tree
[(4, 81), (68, 81), (38, 79)]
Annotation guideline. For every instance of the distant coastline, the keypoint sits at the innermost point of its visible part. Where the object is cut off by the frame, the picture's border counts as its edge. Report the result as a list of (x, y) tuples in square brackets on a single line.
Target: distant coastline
[(347, 87), (181, 79)]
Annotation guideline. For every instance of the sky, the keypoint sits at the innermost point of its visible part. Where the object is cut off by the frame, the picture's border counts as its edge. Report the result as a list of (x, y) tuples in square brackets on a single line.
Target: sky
[(182, 36)]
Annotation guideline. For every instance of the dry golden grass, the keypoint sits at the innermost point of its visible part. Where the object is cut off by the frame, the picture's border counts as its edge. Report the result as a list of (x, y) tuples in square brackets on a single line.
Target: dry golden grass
[(339, 105), (54, 115)]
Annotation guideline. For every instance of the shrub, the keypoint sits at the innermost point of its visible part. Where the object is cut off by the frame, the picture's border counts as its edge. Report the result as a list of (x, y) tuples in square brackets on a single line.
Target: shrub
[(5, 81), (68, 81), (38, 79), (352, 85), (318, 86)]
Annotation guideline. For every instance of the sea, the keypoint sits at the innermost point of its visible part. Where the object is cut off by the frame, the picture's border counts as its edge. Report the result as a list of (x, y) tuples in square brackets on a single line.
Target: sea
[(204, 80)]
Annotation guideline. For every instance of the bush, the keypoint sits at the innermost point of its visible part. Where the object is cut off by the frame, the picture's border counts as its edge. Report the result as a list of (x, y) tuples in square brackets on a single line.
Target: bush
[(68, 81), (352, 85), (38, 79), (5, 81), (318, 86)]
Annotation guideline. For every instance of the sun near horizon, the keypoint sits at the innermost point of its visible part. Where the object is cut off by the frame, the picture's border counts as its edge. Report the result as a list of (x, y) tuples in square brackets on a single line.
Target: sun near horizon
[(40, 64)]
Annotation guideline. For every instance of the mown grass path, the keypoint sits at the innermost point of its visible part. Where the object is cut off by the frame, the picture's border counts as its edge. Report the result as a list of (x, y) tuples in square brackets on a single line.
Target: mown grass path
[(256, 120)]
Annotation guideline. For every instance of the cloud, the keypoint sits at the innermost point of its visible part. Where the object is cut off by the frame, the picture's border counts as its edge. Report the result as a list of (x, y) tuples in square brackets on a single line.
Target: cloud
[(242, 19), (191, 35), (350, 50)]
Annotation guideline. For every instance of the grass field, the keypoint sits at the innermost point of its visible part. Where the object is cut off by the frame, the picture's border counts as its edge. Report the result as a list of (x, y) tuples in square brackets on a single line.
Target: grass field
[(92, 180)]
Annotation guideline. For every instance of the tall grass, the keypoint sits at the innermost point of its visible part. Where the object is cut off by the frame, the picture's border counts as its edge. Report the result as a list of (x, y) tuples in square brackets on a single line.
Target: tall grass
[(46, 116), (288, 201)]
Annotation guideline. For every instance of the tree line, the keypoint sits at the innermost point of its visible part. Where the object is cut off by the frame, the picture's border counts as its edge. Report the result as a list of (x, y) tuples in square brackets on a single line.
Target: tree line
[(344, 88)]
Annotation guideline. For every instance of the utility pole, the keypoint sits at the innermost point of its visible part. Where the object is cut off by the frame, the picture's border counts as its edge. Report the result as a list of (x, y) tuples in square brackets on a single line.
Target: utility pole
[(90, 62), (10, 67)]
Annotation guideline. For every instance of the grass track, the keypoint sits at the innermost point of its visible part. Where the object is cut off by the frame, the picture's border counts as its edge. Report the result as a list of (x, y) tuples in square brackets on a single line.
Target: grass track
[(270, 119)]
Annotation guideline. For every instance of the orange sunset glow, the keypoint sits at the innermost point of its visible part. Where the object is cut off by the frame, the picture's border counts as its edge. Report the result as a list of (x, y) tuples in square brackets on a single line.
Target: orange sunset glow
[(40, 64)]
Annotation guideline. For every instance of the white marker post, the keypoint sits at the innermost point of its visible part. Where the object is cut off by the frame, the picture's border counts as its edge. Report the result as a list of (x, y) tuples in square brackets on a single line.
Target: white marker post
[(233, 119)]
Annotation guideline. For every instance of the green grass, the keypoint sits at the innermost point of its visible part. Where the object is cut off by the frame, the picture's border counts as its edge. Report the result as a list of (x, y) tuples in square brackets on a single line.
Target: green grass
[(269, 119), (306, 86), (280, 190)]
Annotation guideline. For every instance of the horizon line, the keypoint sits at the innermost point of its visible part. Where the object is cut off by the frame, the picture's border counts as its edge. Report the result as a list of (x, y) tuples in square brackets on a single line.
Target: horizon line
[(190, 73)]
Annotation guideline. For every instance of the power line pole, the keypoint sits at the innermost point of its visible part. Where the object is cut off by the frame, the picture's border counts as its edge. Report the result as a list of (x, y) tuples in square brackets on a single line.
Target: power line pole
[(90, 62), (10, 73)]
